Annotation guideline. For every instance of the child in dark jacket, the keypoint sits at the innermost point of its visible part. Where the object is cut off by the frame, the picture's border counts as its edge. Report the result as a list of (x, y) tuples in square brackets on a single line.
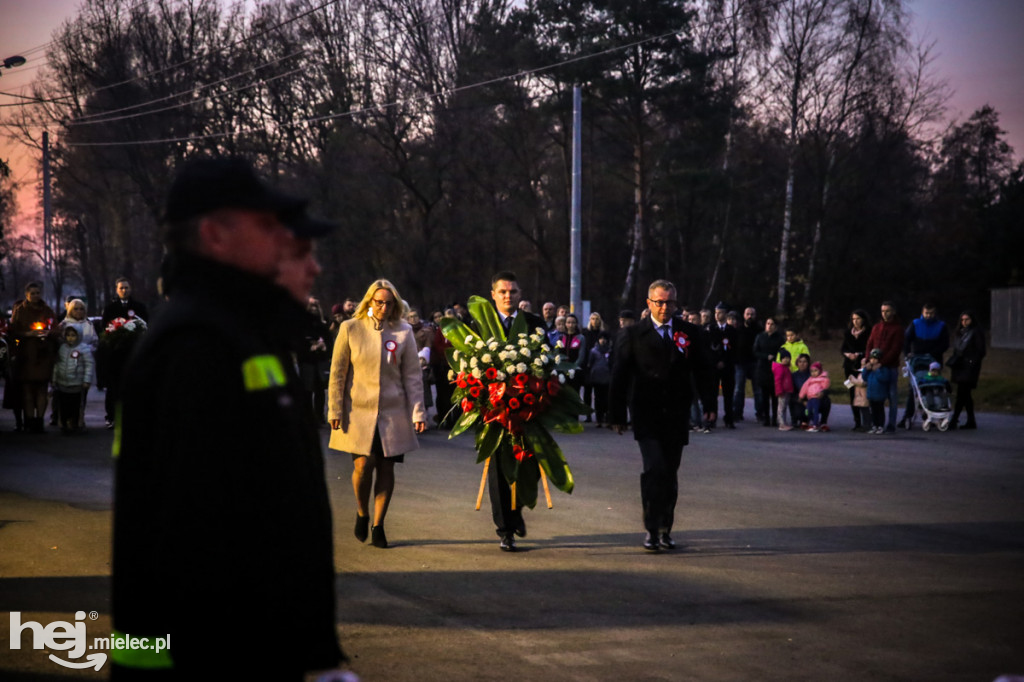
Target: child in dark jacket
[(800, 375), (877, 378)]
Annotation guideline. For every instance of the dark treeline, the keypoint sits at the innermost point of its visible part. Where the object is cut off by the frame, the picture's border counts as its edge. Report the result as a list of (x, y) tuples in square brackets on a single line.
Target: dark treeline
[(763, 152)]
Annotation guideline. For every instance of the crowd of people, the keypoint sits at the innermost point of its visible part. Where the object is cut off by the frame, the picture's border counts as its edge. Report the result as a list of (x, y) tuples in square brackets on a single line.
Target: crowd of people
[(790, 387)]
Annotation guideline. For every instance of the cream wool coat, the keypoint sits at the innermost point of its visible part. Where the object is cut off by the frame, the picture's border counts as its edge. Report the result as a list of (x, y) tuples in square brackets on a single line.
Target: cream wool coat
[(366, 391)]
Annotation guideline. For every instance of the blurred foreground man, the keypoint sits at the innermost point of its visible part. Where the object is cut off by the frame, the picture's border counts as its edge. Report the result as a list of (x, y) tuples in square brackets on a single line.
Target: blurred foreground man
[(658, 361), (222, 525)]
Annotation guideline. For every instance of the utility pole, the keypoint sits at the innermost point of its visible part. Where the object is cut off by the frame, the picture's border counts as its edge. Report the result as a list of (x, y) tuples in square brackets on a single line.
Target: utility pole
[(575, 259)]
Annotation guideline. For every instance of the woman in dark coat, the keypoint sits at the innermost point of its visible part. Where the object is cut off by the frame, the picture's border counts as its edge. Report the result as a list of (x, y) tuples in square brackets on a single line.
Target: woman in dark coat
[(968, 350), (34, 353), (854, 349), (766, 347)]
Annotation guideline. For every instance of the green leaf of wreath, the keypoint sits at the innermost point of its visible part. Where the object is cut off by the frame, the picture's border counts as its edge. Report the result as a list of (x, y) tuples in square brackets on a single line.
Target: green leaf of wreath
[(550, 456), (486, 317), (488, 441)]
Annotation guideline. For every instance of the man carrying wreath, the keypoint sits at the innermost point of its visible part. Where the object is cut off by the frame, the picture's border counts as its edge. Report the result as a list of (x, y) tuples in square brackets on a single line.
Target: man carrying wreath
[(508, 522), (658, 361)]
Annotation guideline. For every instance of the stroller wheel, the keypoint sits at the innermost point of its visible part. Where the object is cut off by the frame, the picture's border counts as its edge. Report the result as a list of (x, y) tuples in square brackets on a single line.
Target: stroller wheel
[(944, 425), (927, 426)]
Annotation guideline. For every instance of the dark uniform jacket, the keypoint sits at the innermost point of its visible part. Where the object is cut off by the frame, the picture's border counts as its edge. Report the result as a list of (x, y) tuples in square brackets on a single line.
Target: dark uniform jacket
[(662, 377), (222, 525)]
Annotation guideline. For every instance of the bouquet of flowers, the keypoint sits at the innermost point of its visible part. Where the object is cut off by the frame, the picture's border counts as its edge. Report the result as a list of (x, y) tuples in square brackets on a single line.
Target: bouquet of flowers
[(123, 332), (512, 391)]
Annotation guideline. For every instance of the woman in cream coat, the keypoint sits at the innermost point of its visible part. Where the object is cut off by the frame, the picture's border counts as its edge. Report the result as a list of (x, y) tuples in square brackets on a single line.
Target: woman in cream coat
[(375, 400)]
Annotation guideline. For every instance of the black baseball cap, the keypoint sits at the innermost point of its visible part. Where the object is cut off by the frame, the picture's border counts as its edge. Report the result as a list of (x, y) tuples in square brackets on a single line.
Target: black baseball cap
[(207, 184), (304, 225)]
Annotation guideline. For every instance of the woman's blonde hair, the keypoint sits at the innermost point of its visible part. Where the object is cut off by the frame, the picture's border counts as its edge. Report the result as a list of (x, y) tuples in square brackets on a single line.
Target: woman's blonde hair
[(395, 312), (70, 305)]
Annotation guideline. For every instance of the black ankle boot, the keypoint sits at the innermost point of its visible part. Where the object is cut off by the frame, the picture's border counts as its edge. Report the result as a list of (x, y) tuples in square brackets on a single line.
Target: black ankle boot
[(362, 530), (378, 539)]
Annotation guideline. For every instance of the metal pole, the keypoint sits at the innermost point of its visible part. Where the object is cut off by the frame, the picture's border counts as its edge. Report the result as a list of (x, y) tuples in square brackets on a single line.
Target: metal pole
[(575, 294)]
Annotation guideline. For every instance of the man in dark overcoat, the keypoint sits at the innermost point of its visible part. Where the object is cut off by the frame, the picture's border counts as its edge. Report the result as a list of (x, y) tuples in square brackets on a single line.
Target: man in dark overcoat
[(661, 358)]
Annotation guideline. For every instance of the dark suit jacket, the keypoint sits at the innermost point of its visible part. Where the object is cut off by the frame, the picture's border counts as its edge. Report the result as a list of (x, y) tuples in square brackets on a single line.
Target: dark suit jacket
[(662, 376), (116, 309), (724, 344), (533, 321)]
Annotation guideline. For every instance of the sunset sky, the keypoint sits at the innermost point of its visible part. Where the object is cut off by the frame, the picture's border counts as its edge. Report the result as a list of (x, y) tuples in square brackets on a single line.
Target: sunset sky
[(978, 51)]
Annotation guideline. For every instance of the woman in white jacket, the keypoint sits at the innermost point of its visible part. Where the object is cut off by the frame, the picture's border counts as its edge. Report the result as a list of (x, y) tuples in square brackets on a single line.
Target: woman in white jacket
[(375, 401)]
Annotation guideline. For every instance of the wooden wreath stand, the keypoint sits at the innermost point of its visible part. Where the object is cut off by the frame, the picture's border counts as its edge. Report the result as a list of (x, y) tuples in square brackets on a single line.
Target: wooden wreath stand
[(483, 484)]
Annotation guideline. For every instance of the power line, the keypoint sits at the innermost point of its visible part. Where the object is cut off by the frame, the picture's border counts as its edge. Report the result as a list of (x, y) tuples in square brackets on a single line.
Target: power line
[(105, 117), (382, 107), (226, 48)]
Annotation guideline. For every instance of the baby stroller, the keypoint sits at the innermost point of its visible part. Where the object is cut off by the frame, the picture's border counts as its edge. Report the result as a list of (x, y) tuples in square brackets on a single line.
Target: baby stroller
[(930, 393)]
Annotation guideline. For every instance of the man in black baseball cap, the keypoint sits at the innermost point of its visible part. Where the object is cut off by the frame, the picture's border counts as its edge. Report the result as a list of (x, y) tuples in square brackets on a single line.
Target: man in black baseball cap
[(221, 513)]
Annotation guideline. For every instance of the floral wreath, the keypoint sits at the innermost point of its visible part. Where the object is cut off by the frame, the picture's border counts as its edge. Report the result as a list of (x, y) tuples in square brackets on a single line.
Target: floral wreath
[(512, 392)]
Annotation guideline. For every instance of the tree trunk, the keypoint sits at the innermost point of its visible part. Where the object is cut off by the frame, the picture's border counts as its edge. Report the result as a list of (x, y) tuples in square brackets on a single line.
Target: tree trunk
[(787, 228), (636, 259)]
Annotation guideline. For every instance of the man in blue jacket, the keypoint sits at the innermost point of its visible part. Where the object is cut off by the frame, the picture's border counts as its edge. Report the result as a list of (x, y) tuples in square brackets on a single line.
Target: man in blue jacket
[(927, 335)]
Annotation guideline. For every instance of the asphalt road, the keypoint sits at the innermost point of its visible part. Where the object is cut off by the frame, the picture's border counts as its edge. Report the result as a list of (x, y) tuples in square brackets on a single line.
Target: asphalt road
[(831, 556)]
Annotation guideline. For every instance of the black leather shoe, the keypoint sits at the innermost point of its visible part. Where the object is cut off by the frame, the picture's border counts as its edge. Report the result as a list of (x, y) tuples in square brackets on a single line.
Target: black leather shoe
[(362, 530), (521, 529), (650, 543), (508, 543), (666, 542), (378, 539)]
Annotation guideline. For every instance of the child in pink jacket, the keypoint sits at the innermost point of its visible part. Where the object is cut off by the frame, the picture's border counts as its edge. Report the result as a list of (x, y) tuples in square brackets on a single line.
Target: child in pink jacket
[(812, 390), (783, 387)]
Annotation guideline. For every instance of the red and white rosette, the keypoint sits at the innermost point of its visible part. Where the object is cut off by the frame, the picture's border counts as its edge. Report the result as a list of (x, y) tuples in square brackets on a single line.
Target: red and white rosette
[(75, 354), (682, 342), (390, 346), (575, 343)]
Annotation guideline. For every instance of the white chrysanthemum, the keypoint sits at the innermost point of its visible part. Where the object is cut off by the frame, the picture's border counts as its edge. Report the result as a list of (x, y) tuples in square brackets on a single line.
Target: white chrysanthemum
[(456, 355), (521, 368), (492, 346), (524, 342), (473, 362), (469, 338), (538, 362), (463, 366), (525, 352), (537, 338), (522, 335), (561, 378), (500, 376), (545, 347), (544, 358), (572, 374), (477, 373), (510, 369), (479, 345), (486, 358)]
